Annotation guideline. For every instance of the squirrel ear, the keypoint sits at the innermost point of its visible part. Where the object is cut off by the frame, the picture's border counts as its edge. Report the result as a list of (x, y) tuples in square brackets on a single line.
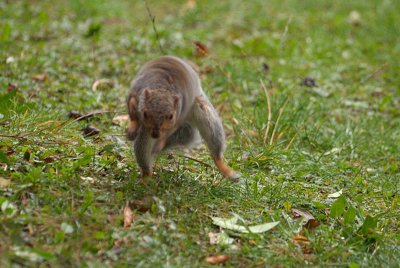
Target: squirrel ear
[(176, 101), (132, 106), (146, 93)]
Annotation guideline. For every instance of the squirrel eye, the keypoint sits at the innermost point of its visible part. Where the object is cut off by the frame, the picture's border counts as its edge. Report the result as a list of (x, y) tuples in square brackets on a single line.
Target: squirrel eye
[(170, 116), (145, 115)]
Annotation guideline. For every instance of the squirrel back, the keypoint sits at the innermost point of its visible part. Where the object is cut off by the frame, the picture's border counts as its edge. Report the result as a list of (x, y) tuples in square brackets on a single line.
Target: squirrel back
[(171, 74)]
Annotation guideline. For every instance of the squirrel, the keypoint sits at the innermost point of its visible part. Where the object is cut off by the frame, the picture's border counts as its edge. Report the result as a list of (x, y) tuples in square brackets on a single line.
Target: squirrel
[(168, 108)]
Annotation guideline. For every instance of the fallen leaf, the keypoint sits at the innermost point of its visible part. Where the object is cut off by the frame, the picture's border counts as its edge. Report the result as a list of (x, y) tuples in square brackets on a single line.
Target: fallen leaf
[(219, 259), (201, 49), (304, 243), (90, 131), (231, 225), (300, 239), (297, 213), (309, 82), (309, 220), (336, 195), (4, 183), (121, 120), (128, 216), (221, 239), (102, 84), (40, 77), (261, 228)]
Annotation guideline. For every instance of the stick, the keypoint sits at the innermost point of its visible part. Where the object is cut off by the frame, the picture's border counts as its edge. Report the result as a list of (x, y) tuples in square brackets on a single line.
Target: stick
[(194, 159), (153, 22)]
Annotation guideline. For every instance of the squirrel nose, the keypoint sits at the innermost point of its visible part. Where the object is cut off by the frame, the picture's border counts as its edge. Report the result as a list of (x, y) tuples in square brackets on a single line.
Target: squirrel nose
[(155, 133)]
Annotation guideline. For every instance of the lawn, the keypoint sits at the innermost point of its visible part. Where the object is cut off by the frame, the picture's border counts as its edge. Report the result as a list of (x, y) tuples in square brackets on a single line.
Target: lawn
[(309, 93)]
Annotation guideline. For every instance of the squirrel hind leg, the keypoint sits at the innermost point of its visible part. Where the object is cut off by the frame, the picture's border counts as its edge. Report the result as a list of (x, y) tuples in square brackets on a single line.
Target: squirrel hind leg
[(212, 131), (225, 170)]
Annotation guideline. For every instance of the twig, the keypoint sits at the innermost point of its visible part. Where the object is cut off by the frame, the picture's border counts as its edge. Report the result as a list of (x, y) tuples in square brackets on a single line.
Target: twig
[(376, 72), (153, 22), (269, 111), (277, 121), (194, 159)]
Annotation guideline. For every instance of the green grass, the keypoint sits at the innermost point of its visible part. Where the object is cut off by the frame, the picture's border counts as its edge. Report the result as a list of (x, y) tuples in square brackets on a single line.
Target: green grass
[(346, 134)]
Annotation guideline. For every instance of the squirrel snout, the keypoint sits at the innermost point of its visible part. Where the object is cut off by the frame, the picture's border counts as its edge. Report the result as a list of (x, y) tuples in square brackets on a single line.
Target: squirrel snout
[(155, 133)]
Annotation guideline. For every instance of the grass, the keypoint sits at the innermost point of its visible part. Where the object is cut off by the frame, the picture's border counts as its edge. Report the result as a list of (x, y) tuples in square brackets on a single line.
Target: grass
[(62, 194)]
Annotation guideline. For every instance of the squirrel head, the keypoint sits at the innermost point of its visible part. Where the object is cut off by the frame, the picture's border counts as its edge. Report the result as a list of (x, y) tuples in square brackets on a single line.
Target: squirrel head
[(159, 111)]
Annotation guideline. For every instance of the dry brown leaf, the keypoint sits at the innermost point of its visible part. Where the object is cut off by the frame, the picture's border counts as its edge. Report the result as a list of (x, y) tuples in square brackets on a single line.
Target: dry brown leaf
[(40, 77), (102, 83), (304, 243), (128, 216), (4, 182), (300, 239), (310, 221), (219, 259), (51, 158), (201, 49), (121, 120)]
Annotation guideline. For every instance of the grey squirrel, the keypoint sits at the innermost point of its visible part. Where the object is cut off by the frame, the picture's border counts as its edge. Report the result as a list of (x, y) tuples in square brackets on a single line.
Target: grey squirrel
[(168, 108)]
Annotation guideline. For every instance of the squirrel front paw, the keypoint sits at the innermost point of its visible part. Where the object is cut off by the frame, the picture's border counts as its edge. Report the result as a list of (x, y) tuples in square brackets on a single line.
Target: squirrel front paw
[(131, 131)]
